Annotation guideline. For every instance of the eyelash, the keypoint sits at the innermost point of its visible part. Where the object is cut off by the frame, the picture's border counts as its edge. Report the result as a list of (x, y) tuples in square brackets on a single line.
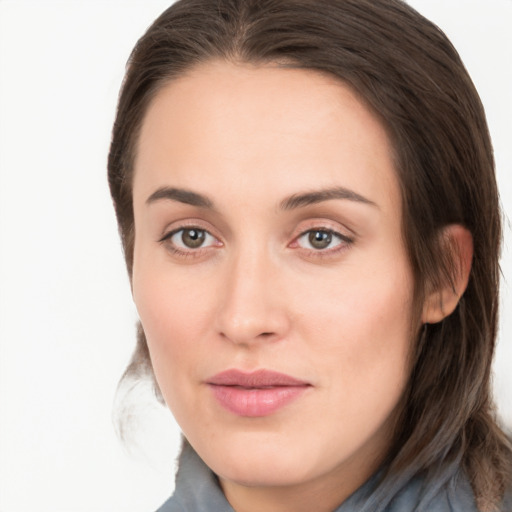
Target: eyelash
[(187, 252), (344, 242)]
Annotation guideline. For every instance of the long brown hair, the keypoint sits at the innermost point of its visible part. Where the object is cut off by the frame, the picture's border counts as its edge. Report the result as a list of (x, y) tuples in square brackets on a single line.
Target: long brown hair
[(407, 71)]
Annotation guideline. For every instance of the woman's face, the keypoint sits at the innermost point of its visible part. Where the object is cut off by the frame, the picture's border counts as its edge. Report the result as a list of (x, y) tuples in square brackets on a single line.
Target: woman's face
[(270, 274)]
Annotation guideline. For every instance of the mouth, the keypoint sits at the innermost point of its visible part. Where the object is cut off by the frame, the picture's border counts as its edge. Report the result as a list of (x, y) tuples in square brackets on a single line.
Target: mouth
[(255, 394)]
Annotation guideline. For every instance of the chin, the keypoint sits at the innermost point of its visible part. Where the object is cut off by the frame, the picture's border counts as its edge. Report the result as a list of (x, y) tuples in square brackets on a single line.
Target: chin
[(259, 473), (260, 461)]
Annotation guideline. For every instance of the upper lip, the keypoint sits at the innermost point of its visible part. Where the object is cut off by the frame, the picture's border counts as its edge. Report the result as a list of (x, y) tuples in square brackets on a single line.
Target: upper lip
[(257, 379)]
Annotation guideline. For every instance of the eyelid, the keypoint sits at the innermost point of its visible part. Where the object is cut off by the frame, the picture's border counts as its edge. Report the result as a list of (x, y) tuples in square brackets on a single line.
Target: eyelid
[(186, 252), (334, 231), (181, 224), (334, 228), (342, 238), (175, 232), (325, 224)]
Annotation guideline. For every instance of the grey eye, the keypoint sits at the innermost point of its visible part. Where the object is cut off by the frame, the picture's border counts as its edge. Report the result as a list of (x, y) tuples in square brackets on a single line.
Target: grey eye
[(320, 239), (191, 238)]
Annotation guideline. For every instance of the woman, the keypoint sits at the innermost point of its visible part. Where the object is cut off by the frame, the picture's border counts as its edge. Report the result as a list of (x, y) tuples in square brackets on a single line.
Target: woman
[(307, 202)]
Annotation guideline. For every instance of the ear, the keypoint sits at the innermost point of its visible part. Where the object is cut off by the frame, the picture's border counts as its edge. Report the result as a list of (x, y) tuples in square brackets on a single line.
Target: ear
[(441, 302)]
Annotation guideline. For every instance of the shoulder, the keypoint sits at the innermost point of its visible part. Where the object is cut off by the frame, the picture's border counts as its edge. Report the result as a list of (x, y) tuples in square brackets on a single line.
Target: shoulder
[(454, 495), (413, 494)]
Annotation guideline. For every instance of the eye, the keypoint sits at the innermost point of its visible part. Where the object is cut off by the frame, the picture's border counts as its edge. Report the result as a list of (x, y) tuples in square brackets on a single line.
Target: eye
[(321, 239), (189, 238)]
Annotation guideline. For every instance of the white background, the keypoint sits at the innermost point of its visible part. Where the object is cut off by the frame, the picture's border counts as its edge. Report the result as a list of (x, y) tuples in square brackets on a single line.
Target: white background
[(66, 316)]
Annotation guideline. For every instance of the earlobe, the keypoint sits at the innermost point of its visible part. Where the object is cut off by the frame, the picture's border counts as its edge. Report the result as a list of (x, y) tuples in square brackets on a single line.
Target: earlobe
[(442, 301)]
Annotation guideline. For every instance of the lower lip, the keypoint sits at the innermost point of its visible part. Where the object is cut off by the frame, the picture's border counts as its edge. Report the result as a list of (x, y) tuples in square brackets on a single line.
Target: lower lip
[(256, 402)]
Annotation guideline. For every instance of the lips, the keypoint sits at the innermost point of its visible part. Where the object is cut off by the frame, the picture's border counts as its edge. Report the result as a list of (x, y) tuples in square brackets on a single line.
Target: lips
[(255, 394)]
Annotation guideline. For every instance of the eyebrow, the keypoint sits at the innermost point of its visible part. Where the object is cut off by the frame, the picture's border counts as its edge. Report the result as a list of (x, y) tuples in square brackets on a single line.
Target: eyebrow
[(181, 195), (290, 203), (309, 198)]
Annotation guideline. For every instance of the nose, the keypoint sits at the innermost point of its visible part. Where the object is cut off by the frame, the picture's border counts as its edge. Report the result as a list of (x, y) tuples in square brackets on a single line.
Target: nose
[(251, 304)]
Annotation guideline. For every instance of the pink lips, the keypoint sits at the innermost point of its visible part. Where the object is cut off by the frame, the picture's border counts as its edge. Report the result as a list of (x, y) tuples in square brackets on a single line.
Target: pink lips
[(259, 393)]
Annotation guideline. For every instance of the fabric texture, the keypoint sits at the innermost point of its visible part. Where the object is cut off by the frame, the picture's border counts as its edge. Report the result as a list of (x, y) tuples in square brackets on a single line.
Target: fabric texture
[(197, 490)]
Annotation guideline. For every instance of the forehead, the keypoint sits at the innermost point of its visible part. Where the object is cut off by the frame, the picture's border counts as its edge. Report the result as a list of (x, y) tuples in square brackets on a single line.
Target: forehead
[(243, 123)]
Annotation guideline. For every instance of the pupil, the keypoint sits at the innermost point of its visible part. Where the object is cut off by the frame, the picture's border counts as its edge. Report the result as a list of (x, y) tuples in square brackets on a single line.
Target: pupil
[(320, 239), (193, 238)]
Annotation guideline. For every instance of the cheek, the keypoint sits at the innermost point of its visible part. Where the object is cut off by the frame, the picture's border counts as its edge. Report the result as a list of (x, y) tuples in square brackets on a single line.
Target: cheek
[(173, 312), (165, 295), (362, 330), (362, 353)]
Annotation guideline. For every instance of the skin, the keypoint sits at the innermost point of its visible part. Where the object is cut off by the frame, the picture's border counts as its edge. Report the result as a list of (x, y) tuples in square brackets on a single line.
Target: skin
[(257, 294)]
